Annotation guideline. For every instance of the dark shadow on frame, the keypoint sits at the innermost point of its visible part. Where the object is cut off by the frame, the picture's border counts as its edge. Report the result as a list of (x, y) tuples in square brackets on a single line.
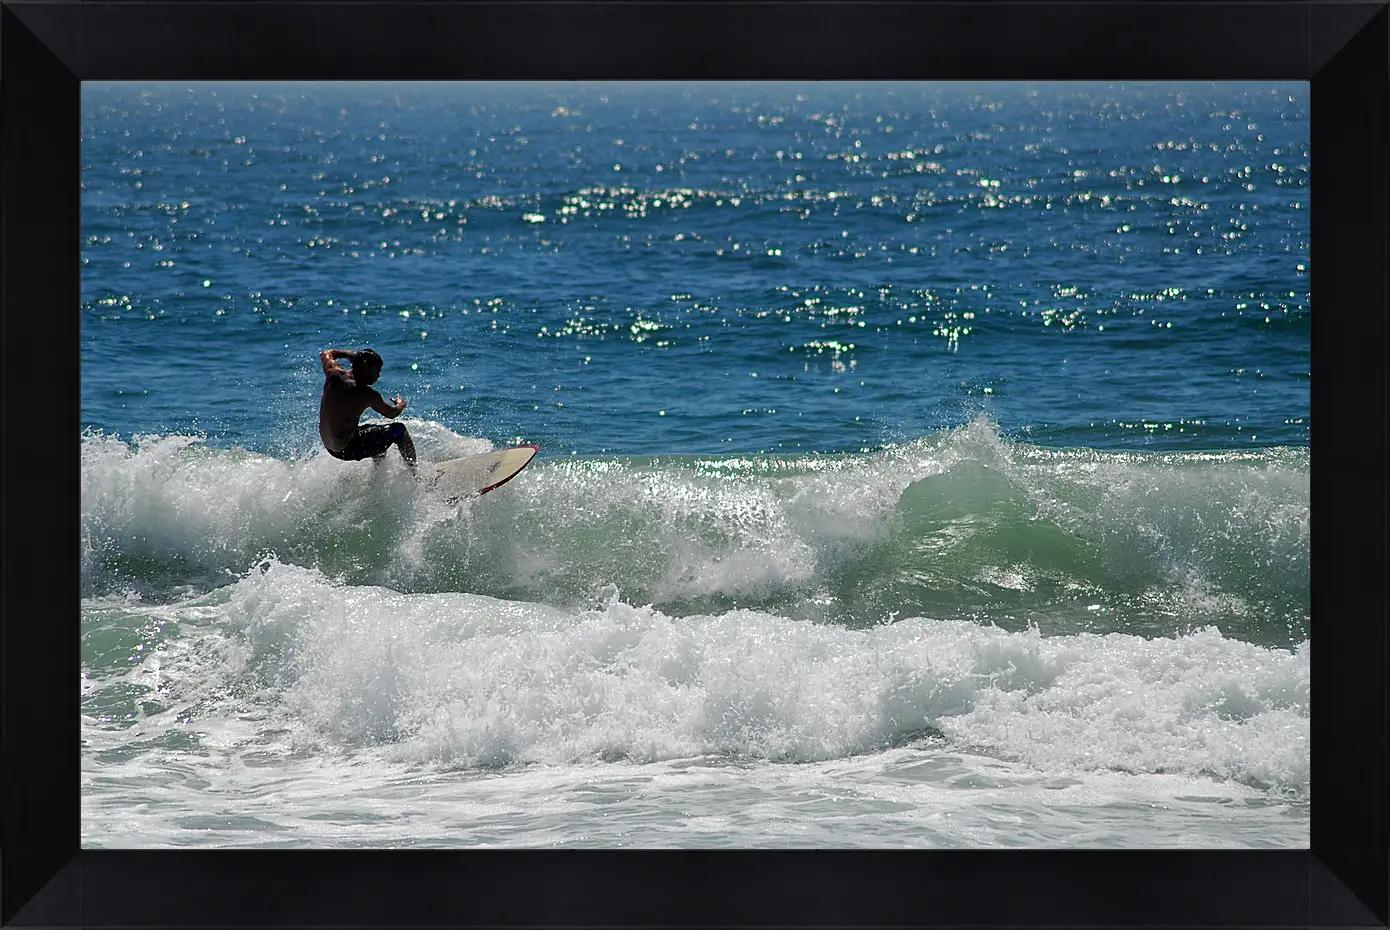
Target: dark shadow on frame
[(46, 49)]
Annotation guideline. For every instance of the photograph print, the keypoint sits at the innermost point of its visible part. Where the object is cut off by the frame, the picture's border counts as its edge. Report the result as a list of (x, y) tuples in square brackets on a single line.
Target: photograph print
[(896, 465)]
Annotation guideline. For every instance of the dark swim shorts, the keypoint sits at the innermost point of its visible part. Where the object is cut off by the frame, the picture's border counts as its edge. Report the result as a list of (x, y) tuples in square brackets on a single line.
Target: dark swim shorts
[(372, 439)]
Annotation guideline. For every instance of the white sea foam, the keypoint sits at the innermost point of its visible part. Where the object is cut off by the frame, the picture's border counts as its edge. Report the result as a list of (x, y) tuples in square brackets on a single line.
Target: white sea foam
[(909, 797), (466, 681), (165, 498)]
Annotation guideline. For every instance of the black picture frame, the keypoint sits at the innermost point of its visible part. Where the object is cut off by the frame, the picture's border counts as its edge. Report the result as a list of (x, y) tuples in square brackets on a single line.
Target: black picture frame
[(47, 47)]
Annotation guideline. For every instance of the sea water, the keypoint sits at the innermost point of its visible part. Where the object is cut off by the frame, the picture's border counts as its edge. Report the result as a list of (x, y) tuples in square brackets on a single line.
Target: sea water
[(922, 465)]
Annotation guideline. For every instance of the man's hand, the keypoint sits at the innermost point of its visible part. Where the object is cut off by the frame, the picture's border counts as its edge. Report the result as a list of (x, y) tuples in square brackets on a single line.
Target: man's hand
[(379, 403)]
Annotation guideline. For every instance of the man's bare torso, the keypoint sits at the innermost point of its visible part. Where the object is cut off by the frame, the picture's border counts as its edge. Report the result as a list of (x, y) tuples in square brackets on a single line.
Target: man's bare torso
[(341, 407)]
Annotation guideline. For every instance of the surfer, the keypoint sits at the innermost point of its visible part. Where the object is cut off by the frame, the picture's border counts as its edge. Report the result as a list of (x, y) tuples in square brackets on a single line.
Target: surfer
[(346, 395)]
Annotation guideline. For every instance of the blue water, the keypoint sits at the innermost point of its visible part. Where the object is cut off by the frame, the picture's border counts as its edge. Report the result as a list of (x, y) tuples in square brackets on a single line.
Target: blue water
[(921, 464), (704, 268)]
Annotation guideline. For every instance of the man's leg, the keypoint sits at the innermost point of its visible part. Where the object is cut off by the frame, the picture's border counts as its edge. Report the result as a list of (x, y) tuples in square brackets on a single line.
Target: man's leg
[(374, 441), (402, 438)]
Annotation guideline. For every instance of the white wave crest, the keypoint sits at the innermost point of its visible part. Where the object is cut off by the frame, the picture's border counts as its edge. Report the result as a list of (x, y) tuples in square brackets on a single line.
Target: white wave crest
[(470, 681)]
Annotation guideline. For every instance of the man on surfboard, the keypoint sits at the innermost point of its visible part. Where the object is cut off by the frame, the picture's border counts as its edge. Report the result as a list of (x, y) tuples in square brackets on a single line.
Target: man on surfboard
[(346, 395)]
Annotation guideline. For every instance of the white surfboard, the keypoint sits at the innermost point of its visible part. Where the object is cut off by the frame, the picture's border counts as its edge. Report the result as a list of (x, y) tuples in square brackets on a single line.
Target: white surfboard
[(472, 475)]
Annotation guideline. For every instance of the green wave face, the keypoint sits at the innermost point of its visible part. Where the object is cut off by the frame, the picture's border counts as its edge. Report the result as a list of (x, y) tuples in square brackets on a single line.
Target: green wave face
[(961, 525), (1109, 544)]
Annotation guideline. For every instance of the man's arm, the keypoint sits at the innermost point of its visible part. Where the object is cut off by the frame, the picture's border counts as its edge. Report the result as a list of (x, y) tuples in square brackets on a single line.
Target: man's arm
[(390, 411), (329, 359)]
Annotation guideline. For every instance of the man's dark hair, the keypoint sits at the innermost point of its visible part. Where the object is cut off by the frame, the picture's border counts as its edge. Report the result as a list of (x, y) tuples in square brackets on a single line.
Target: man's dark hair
[(367, 367)]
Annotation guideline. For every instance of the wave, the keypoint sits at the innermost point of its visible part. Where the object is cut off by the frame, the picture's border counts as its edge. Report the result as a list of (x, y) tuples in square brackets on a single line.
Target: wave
[(286, 660), (962, 524)]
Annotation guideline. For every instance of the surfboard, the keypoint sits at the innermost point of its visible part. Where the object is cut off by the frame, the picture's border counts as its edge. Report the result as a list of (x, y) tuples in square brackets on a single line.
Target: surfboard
[(478, 474)]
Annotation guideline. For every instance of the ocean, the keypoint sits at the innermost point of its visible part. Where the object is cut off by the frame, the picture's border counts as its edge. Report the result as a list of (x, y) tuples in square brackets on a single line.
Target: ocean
[(921, 465)]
